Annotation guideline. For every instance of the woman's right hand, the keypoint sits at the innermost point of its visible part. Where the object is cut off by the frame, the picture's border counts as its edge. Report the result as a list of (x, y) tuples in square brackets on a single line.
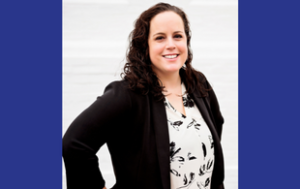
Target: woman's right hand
[(104, 187)]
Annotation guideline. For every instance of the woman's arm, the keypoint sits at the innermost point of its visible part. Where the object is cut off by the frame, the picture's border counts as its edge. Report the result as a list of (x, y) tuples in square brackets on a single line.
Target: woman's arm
[(88, 132)]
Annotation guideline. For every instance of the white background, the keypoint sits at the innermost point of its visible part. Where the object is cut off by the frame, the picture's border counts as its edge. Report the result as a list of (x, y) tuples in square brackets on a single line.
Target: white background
[(95, 39)]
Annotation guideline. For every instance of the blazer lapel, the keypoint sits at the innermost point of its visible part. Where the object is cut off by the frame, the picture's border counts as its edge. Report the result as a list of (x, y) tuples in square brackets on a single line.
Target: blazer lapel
[(202, 105), (205, 114), (159, 121)]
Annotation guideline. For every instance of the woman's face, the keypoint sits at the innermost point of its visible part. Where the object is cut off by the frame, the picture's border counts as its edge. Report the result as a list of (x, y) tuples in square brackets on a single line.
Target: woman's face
[(167, 43)]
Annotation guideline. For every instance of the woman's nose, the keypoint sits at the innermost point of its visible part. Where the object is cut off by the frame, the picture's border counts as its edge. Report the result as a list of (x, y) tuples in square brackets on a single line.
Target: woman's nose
[(170, 44)]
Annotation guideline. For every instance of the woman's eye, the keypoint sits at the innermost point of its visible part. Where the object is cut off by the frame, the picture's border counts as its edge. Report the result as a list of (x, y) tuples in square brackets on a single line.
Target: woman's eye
[(159, 38), (178, 36)]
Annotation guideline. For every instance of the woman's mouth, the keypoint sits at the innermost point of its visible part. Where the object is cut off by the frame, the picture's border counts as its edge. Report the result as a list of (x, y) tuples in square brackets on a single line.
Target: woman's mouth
[(171, 56)]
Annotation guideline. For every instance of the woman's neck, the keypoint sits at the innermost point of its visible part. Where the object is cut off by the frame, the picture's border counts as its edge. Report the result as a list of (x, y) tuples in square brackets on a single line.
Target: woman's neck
[(171, 82)]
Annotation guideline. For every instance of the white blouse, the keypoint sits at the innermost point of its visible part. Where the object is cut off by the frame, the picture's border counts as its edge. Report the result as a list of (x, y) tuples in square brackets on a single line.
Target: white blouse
[(191, 146)]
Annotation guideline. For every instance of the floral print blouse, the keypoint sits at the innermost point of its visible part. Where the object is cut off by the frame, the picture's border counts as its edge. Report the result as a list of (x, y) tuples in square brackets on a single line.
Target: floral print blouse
[(191, 146)]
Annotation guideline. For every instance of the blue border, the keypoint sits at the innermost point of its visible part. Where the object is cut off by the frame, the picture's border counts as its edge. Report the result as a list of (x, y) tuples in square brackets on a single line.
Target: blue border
[(269, 50), (31, 94)]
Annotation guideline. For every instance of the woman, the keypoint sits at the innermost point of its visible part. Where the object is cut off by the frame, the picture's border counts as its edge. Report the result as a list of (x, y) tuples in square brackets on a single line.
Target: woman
[(161, 122)]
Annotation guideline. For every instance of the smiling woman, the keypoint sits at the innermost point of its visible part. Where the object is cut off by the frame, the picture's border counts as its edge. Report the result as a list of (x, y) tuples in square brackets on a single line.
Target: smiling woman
[(167, 44), (162, 122)]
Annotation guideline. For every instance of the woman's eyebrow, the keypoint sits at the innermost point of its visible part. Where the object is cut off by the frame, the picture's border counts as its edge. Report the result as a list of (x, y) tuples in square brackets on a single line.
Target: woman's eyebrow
[(161, 33), (178, 32)]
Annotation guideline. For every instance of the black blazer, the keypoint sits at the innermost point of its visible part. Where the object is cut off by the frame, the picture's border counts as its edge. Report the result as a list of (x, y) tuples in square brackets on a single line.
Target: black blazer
[(135, 129)]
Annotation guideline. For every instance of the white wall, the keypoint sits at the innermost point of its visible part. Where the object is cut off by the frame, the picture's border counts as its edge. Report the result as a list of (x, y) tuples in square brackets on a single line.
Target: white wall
[(95, 36)]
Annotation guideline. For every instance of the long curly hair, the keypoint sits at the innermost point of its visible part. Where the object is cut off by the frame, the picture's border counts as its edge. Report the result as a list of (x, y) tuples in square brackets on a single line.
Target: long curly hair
[(138, 71)]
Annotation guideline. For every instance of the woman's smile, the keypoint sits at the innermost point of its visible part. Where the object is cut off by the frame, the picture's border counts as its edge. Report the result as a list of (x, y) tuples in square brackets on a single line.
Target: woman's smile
[(171, 56)]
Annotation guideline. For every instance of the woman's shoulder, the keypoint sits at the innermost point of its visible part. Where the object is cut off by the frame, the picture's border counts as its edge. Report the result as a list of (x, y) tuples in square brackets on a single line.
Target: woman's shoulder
[(115, 90), (122, 86), (117, 84), (120, 91)]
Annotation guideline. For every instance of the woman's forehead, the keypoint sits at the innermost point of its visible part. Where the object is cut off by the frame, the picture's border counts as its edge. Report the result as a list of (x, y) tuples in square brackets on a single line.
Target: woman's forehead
[(166, 21)]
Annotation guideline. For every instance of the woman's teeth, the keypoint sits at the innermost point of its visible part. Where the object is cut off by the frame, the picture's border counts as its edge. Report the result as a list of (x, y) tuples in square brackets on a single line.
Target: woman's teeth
[(171, 56)]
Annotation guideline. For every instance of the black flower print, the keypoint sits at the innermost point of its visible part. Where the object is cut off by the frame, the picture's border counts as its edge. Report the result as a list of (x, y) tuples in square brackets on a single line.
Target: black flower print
[(206, 168), (173, 152), (190, 157), (209, 164), (197, 126), (207, 182), (191, 124), (204, 149), (174, 172), (172, 107), (175, 124), (188, 181), (166, 104), (201, 172), (211, 141), (203, 185), (187, 101)]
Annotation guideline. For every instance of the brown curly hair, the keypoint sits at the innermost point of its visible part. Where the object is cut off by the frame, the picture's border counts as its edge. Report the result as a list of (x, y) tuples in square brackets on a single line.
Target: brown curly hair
[(138, 71)]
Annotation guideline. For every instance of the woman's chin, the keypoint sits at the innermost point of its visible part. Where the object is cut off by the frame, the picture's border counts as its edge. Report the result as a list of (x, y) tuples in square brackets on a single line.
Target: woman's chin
[(171, 71), (174, 69)]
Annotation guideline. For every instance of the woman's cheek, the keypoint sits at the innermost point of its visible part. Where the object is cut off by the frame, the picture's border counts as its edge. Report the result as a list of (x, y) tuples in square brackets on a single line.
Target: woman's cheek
[(159, 48)]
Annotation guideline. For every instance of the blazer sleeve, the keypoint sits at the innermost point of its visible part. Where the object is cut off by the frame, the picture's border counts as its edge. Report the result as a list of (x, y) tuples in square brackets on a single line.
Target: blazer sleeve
[(88, 132), (215, 110)]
